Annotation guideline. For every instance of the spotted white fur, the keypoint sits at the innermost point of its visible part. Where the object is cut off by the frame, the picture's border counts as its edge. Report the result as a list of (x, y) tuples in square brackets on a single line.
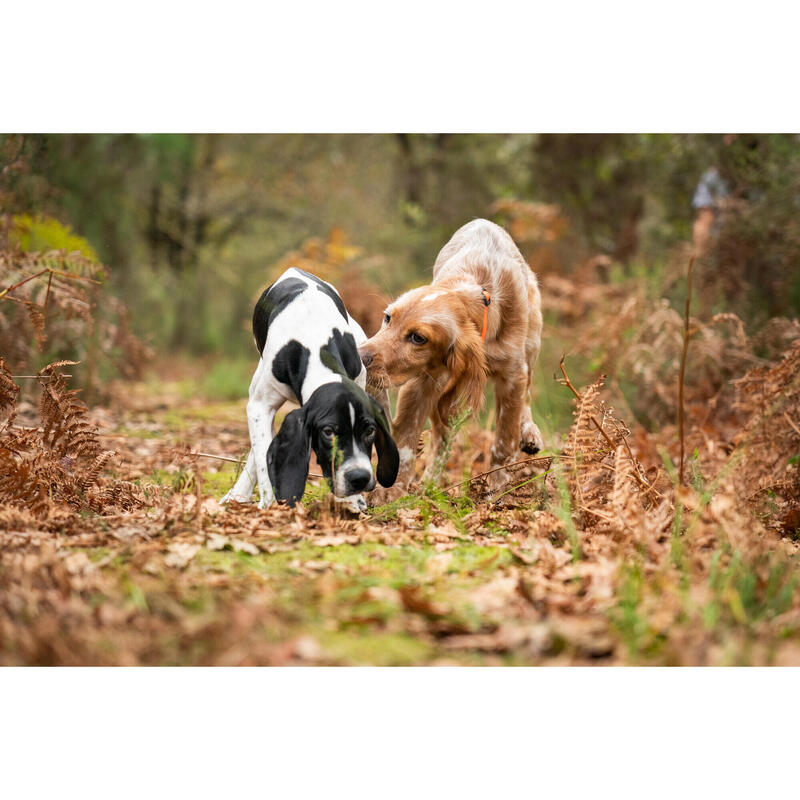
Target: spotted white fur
[(432, 296), (309, 318)]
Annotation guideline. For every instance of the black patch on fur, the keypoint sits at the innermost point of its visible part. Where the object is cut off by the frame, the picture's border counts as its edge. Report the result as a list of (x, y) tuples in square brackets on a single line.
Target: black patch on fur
[(342, 348), (288, 457), (271, 303), (325, 289), (290, 366)]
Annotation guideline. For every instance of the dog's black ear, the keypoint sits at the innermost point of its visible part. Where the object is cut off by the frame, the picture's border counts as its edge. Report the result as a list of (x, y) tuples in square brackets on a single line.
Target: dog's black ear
[(388, 457), (288, 458)]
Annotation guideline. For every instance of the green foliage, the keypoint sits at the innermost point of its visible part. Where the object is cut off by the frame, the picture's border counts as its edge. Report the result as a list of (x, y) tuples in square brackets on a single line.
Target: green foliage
[(40, 234), (563, 510), (746, 593), (628, 619), (191, 225), (455, 424), (227, 379), (432, 502)]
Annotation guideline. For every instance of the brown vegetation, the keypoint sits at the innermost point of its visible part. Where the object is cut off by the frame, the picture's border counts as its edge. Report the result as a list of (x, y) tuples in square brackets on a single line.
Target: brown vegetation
[(593, 554)]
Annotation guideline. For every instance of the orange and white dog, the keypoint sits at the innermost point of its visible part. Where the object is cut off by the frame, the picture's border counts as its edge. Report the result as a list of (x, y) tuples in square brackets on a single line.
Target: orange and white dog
[(480, 318)]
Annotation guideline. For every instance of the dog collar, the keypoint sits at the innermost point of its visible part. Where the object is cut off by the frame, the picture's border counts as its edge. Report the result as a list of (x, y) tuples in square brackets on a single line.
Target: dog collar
[(487, 301)]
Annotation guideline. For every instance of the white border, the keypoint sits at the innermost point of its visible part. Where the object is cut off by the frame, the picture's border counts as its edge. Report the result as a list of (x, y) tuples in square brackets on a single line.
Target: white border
[(415, 66), (398, 733)]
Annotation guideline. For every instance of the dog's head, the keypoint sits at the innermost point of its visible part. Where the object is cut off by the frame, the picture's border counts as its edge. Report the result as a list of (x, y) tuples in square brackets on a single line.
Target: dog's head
[(431, 331), (340, 423)]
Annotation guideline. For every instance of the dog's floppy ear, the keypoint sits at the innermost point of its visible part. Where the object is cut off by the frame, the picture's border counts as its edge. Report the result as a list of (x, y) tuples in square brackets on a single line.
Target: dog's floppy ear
[(388, 457), (467, 368), (288, 457)]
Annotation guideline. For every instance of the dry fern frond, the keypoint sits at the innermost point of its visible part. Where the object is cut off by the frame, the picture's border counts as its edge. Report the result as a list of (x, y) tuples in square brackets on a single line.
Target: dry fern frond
[(9, 391), (67, 429), (768, 444), (60, 462), (54, 295), (91, 474), (591, 460), (625, 498)]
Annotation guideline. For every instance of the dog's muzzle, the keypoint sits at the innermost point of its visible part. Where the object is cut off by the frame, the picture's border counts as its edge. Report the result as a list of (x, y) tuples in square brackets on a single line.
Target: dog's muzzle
[(358, 480)]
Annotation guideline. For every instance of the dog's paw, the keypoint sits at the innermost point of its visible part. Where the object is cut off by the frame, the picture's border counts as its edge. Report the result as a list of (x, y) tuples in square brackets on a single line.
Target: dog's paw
[(530, 438), (354, 502), (496, 483), (381, 495), (230, 497)]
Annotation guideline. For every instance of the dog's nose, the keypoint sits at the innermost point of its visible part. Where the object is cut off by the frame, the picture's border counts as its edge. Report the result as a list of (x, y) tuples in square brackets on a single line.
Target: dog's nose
[(366, 359), (358, 479)]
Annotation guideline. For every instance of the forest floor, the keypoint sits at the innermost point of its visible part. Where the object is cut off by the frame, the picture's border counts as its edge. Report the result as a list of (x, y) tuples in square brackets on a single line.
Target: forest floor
[(441, 577)]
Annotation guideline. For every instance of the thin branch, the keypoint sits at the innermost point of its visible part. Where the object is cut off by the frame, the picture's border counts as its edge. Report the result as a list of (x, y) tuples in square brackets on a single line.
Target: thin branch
[(536, 460), (235, 460), (42, 377), (22, 282), (219, 458), (682, 374), (47, 295), (789, 420)]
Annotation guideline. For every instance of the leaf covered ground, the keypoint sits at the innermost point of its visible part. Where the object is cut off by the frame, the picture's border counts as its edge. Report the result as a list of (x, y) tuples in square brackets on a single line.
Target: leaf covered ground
[(593, 556)]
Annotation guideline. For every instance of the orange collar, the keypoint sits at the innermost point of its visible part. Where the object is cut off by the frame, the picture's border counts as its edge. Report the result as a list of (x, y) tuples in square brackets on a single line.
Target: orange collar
[(487, 301)]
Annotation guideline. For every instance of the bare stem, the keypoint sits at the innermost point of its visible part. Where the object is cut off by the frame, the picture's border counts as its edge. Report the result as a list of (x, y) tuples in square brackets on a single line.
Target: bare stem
[(682, 375)]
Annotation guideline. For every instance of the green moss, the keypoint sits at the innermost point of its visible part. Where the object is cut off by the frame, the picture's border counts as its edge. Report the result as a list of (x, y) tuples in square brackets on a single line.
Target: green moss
[(138, 433), (219, 482), (365, 564), (374, 649)]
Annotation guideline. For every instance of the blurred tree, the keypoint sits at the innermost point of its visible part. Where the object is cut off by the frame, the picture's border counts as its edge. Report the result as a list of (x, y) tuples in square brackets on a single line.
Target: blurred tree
[(192, 225)]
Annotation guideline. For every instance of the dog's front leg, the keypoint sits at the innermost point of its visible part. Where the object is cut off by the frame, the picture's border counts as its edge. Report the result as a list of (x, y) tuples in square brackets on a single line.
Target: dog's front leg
[(260, 419), (262, 406), (242, 490), (414, 405)]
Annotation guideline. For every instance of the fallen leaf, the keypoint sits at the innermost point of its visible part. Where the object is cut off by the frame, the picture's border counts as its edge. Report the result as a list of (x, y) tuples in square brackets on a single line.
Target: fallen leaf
[(180, 554)]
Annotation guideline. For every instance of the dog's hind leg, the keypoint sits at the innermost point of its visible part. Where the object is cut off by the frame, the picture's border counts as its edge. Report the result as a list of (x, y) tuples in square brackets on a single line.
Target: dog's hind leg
[(242, 490), (530, 437), (509, 392)]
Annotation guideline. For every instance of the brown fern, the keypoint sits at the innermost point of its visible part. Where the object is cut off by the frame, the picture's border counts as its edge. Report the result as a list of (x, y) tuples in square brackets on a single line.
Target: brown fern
[(61, 462)]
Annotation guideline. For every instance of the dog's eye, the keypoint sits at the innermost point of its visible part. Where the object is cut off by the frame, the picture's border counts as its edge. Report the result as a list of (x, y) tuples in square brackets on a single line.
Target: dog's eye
[(369, 434), (387, 318), (328, 431), (416, 338)]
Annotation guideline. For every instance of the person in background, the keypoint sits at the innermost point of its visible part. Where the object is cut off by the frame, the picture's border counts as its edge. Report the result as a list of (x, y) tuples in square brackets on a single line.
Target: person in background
[(709, 201)]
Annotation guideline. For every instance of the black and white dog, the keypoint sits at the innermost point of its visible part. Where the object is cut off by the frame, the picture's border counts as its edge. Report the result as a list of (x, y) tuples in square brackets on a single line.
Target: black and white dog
[(309, 355)]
